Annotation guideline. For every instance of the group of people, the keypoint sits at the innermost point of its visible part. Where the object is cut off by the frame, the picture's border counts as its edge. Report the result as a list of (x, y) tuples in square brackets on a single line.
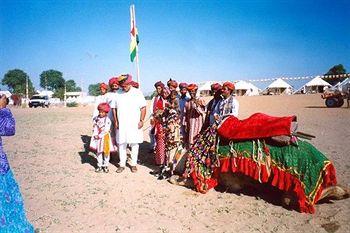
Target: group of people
[(177, 116), (117, 122)]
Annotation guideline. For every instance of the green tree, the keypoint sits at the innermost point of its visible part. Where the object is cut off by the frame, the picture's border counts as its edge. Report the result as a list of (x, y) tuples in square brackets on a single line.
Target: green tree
[(94, 89), (337, 69), (72, 86), (16, 82), (59, 93), (151, 95), (52, 79)]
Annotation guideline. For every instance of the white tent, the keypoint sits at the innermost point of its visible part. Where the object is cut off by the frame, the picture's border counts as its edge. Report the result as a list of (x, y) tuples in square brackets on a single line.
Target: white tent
[(279, 86), (342, 86), (246, 88), (205, 87), (316, 85)]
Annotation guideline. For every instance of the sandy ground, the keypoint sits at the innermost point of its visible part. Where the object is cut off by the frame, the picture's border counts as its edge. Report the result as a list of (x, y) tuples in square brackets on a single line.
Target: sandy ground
[(62, 193)]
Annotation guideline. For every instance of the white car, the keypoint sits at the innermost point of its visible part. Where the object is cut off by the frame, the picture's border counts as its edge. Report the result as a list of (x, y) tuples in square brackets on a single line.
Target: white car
[(39, 100)]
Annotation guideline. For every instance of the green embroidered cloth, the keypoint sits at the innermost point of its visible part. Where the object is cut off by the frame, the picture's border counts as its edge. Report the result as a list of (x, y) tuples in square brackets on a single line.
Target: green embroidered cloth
[(304, 161)]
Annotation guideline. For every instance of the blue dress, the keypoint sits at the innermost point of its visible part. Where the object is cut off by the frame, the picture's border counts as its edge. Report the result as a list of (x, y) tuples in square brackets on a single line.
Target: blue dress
[(12, 213)]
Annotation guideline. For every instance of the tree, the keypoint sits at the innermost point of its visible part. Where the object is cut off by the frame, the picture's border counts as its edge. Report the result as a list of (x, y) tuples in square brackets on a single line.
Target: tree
[(59, 93), (16, 82), (72, 86), (335, 70), (94, 89), (151, 95), (52, 79)]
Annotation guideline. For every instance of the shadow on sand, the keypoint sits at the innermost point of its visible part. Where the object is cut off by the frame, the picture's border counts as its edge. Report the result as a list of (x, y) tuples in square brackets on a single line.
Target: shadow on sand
[(84, 155), (316, 107), (145, 158), (266, 192)]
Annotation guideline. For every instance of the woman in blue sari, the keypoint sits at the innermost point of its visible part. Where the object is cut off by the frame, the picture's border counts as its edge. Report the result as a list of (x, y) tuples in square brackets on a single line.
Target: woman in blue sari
[(12, 213)]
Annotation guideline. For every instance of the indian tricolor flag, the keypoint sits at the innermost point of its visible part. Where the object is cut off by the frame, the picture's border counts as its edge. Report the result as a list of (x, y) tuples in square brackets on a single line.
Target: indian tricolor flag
[(133, 34)]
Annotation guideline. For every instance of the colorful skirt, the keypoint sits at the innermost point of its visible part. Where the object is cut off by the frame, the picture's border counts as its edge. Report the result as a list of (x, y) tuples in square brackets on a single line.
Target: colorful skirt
[(12, 214)]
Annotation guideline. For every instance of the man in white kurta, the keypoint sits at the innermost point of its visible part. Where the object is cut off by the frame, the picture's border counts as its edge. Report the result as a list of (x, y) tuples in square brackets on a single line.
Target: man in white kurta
[(131, 111)]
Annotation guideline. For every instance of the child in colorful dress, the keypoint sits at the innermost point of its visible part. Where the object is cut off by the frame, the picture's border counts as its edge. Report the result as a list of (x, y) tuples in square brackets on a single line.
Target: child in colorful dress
[(101, 138)]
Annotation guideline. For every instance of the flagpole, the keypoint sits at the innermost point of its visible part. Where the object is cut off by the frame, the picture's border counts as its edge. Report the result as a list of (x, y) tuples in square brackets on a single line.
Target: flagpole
[(133, 17)]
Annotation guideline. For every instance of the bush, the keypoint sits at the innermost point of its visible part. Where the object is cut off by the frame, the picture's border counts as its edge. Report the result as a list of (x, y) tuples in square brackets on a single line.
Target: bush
[(72, 104)]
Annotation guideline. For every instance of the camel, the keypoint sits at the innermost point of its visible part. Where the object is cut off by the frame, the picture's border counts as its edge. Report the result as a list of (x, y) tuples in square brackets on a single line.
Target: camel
[(236, 183)]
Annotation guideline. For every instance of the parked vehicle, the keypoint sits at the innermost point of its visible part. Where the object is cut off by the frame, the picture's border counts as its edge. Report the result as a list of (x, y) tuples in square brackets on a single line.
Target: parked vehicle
[(334, 99), (39, 101)]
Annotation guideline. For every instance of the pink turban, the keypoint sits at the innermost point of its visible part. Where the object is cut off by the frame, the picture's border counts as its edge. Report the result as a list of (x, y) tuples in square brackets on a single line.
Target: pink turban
[(112, 81), (159, 84)]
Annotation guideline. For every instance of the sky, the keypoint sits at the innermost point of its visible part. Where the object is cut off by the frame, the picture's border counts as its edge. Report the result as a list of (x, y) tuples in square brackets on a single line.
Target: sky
[(191, 41)]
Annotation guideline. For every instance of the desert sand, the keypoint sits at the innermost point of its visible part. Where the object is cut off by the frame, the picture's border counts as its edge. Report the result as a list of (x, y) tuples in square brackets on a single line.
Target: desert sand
[(62, 193)]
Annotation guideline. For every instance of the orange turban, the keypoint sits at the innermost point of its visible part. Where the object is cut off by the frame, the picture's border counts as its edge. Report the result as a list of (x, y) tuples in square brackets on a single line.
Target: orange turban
[(104, 86), (103, 107), (172, 83), (112, 81), (229, 85), (192, 87)]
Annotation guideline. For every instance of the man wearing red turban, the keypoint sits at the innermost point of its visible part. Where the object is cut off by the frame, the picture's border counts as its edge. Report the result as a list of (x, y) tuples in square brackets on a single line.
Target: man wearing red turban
[(130, 115), (156, 133), (111, 98), (229, 105), (209, 116), (113, 83), (194, 114)]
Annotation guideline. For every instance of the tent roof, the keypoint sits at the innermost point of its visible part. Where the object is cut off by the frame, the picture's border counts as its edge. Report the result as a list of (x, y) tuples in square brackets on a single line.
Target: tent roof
[(243, 85), (205, 86), (317, 81), (279, 83)]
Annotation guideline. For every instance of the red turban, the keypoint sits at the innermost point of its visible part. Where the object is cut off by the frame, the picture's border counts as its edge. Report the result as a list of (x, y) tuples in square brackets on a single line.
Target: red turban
[(135, 84), (183, 85), (125, 79), (103, 107), (192, 87), (104, 86), (215, 87), (112, 81), (229, 85), (159, 84), (172, 83)]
